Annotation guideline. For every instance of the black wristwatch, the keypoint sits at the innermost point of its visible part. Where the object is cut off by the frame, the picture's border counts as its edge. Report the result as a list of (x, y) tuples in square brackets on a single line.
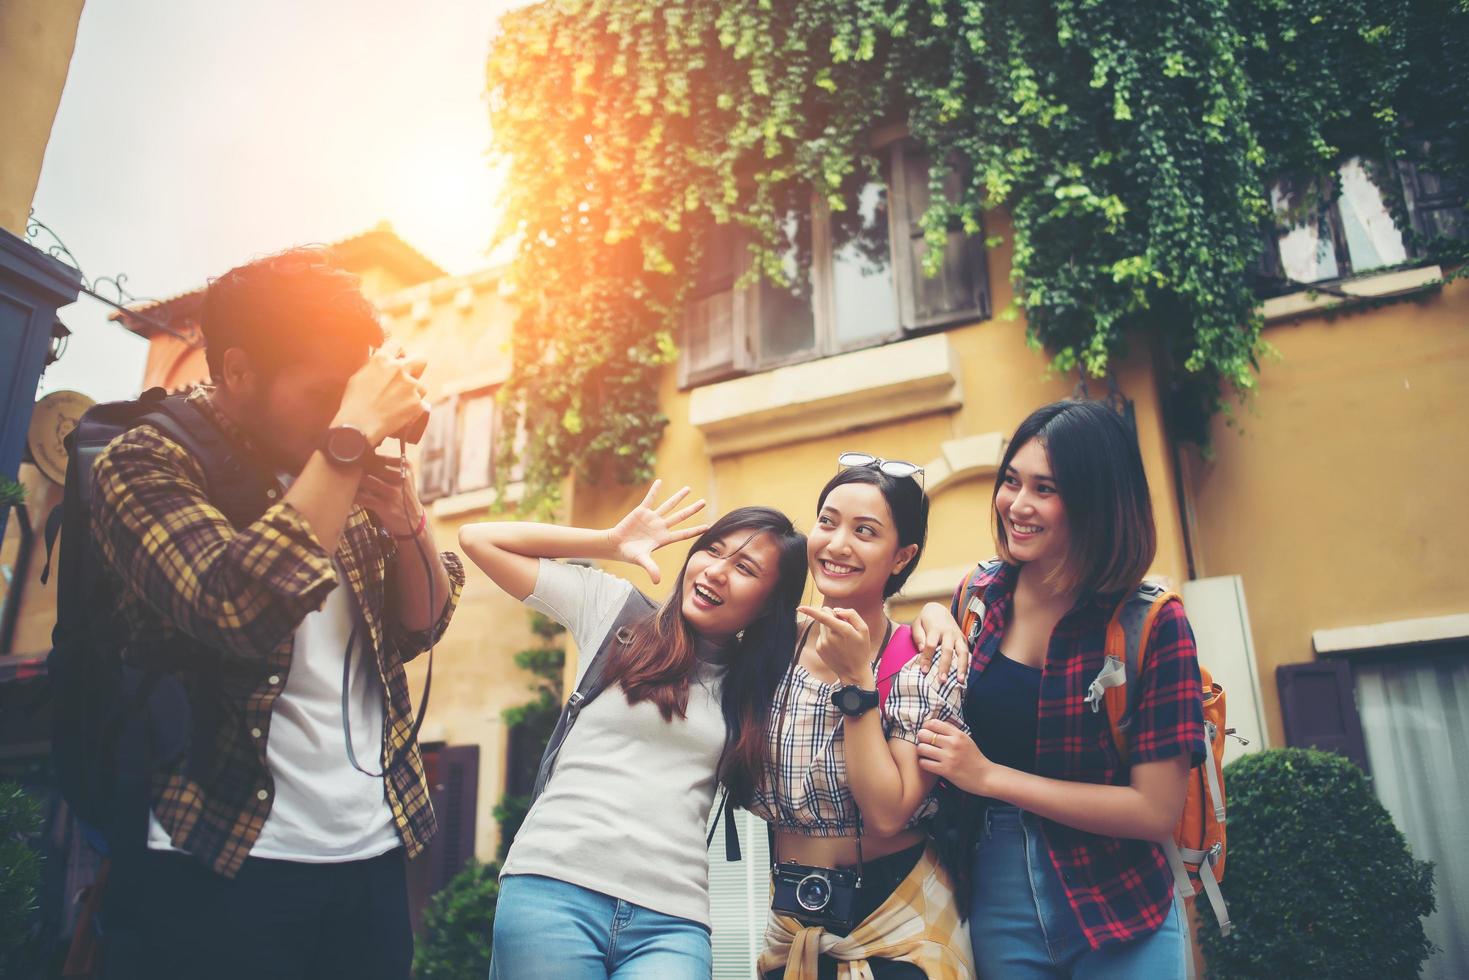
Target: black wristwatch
[(854, 701), (344, 445)]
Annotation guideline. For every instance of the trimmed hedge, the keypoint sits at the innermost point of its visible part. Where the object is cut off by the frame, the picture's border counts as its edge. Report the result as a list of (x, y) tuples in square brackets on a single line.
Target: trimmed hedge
[(457, 926), (1320, 883)]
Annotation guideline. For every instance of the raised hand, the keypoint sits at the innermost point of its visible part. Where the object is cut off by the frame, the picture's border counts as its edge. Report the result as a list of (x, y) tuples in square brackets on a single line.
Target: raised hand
[(645, 529), (844, 645)]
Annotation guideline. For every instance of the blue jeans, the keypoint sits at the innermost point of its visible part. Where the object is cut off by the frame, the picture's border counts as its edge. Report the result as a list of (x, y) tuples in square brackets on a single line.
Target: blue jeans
[(1023, 927), (552, 930)]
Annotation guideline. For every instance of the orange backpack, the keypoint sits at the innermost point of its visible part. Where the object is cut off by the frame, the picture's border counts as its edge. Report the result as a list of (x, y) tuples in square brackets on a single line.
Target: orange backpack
[(1196, 851)]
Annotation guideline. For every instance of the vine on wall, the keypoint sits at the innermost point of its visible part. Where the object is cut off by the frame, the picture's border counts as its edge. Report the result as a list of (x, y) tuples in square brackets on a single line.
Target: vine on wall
[(1129, 140)]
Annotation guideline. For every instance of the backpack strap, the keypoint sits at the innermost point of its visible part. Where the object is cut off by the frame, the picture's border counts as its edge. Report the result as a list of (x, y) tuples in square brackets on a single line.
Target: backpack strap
[(725, 808), (967, 606), (1118, 684), (635, 608), (237, 489), (900, 650)]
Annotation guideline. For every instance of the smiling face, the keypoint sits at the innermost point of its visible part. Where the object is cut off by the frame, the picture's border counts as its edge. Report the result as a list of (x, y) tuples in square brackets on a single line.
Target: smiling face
[(727, 584), (1029, 508), (854, 549)]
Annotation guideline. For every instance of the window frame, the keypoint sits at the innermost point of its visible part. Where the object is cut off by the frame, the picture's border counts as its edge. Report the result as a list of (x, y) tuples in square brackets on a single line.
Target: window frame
[(1415, 199), (747, 356), (448, 486)]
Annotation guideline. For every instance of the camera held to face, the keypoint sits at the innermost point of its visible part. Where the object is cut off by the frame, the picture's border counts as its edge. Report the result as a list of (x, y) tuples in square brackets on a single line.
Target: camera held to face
[(823, 897)]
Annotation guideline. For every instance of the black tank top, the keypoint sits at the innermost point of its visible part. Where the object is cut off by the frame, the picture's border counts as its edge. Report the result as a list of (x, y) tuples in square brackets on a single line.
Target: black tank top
[(1001, 709)]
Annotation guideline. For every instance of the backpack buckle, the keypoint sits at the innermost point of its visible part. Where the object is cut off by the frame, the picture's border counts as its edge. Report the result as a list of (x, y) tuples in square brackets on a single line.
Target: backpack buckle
[(573, 703)]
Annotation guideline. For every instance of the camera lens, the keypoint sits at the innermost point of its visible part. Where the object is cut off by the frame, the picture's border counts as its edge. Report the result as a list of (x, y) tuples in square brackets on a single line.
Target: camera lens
[(813, 892)]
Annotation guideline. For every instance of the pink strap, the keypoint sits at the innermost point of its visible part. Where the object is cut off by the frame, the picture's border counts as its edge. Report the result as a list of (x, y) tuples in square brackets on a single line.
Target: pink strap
[(895, 657)]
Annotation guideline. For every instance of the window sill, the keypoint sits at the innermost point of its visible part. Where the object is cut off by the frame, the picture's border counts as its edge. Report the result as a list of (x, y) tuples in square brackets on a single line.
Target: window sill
[(472, 501), (830, 395), (1384, 285), (1403, 633)]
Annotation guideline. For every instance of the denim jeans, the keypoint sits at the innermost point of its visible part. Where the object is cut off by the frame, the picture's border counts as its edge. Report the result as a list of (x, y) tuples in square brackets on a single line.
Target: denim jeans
[(1023, 927), (552, 930)]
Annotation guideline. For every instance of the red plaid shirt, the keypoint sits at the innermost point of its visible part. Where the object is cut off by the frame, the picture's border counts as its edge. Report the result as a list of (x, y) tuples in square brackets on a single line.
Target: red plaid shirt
[(1120, 889)]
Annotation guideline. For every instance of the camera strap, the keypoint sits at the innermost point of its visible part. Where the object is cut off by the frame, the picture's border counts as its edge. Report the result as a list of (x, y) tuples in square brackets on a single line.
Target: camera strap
[(428, 679)]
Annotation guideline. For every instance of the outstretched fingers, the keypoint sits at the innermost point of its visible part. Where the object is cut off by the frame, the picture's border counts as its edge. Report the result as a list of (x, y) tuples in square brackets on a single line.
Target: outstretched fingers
[(667, 506), (675, 519)]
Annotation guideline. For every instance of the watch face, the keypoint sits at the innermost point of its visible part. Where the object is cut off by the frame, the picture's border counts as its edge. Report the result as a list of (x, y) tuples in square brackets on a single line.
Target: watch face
[(345, 444)]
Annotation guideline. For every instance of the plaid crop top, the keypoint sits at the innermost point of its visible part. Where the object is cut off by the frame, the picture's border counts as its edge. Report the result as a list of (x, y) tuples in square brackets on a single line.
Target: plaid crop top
[(804, 790)]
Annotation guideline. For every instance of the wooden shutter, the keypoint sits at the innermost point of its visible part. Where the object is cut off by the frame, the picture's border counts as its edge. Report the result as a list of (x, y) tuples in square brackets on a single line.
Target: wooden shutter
[(714, 344), (436, 453), (1320, 710), (474, 463), (960, 290), (1435, 205), (455, 796)]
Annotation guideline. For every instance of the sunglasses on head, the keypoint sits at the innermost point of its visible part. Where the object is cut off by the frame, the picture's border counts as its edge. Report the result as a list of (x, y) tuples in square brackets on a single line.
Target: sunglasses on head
[(895, 468)]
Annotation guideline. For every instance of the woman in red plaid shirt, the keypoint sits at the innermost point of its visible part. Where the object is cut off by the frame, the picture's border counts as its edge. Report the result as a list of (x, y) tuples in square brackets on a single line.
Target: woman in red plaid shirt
[(1067, 875)]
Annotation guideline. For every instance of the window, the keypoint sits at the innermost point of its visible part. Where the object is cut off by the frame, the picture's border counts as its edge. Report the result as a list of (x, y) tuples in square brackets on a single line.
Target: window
[(457, 454), (1355, 233), (853, 278)]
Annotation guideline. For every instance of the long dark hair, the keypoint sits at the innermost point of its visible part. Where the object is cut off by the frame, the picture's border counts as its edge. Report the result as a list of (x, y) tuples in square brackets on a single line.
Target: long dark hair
[(658, 659), (909, 506), (1099, 474)]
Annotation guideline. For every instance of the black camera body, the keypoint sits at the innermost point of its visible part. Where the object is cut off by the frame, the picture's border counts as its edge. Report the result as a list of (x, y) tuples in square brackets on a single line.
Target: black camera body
[(825, 897)]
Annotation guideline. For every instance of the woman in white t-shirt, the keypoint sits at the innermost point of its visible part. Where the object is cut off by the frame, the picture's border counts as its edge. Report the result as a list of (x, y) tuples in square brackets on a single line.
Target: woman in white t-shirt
[(608, 875)]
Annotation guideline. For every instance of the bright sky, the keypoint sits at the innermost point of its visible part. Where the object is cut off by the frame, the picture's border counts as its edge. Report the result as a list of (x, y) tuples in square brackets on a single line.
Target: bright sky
[(192, 136)]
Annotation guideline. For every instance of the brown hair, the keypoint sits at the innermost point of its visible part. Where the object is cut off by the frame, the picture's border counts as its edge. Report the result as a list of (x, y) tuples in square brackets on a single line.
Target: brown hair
[(1098, 470), (658, 658), (286, 306)]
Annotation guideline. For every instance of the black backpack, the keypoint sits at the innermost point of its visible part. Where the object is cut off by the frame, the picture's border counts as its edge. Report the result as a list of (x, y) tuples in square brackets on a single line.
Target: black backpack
[(114, 724)]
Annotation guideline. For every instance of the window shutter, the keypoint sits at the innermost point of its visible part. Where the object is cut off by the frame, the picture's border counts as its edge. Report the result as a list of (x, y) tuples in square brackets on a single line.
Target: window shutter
[(960, 290), (1319, 708), (436, 453), (475, 448), (713, 345), (739, 898), (455, 797), (1435, 205)]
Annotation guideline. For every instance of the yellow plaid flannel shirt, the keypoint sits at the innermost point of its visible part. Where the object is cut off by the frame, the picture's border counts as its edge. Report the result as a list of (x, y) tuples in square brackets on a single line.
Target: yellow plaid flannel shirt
[(229, 601)]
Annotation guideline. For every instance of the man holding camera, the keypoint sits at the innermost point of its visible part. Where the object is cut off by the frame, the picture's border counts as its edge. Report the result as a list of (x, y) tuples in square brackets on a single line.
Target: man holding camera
[(276, 847)]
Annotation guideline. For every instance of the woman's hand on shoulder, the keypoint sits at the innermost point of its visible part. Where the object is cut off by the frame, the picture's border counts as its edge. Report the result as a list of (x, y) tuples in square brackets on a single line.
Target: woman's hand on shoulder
[(646, 528), (844, 644), (942, 647)]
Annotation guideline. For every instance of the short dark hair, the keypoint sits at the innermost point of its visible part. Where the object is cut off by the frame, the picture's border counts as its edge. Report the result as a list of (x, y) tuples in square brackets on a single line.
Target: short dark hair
[(909, 506), (1099, 473), (284, 307)]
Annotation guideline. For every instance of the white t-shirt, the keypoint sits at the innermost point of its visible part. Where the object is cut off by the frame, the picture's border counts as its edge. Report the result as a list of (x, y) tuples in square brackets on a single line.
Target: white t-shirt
[(625, 811), (324, 810)]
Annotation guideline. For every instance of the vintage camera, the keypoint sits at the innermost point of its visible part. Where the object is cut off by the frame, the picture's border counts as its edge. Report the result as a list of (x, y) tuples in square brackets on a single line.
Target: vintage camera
[(823, 897)]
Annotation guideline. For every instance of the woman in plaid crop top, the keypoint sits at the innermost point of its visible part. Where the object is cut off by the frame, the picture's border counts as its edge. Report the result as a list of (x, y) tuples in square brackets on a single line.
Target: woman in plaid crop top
[(843, 762), (1067, 875)]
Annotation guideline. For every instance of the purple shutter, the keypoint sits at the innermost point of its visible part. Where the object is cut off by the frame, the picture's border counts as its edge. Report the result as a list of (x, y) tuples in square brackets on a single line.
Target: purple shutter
[(455, 795), (1319, 708)]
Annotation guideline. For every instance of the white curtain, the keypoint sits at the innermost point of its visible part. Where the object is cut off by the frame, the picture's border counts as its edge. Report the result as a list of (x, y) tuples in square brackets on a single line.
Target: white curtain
[(1415, 715)]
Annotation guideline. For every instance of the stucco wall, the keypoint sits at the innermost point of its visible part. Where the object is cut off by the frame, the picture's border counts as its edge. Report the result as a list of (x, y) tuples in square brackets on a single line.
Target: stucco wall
[(1341, 497), (36, 41)]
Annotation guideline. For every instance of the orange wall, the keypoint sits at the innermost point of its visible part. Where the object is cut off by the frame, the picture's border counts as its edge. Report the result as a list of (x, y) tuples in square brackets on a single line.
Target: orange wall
[(1341, 497)]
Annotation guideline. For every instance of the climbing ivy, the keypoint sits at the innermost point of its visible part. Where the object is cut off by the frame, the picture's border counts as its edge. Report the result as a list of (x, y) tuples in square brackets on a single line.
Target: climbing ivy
[(1129, 141)]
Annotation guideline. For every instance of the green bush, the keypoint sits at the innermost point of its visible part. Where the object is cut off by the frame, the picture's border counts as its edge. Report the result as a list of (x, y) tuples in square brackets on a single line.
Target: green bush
[(1320, 883), (20, 867), (457, 926)]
